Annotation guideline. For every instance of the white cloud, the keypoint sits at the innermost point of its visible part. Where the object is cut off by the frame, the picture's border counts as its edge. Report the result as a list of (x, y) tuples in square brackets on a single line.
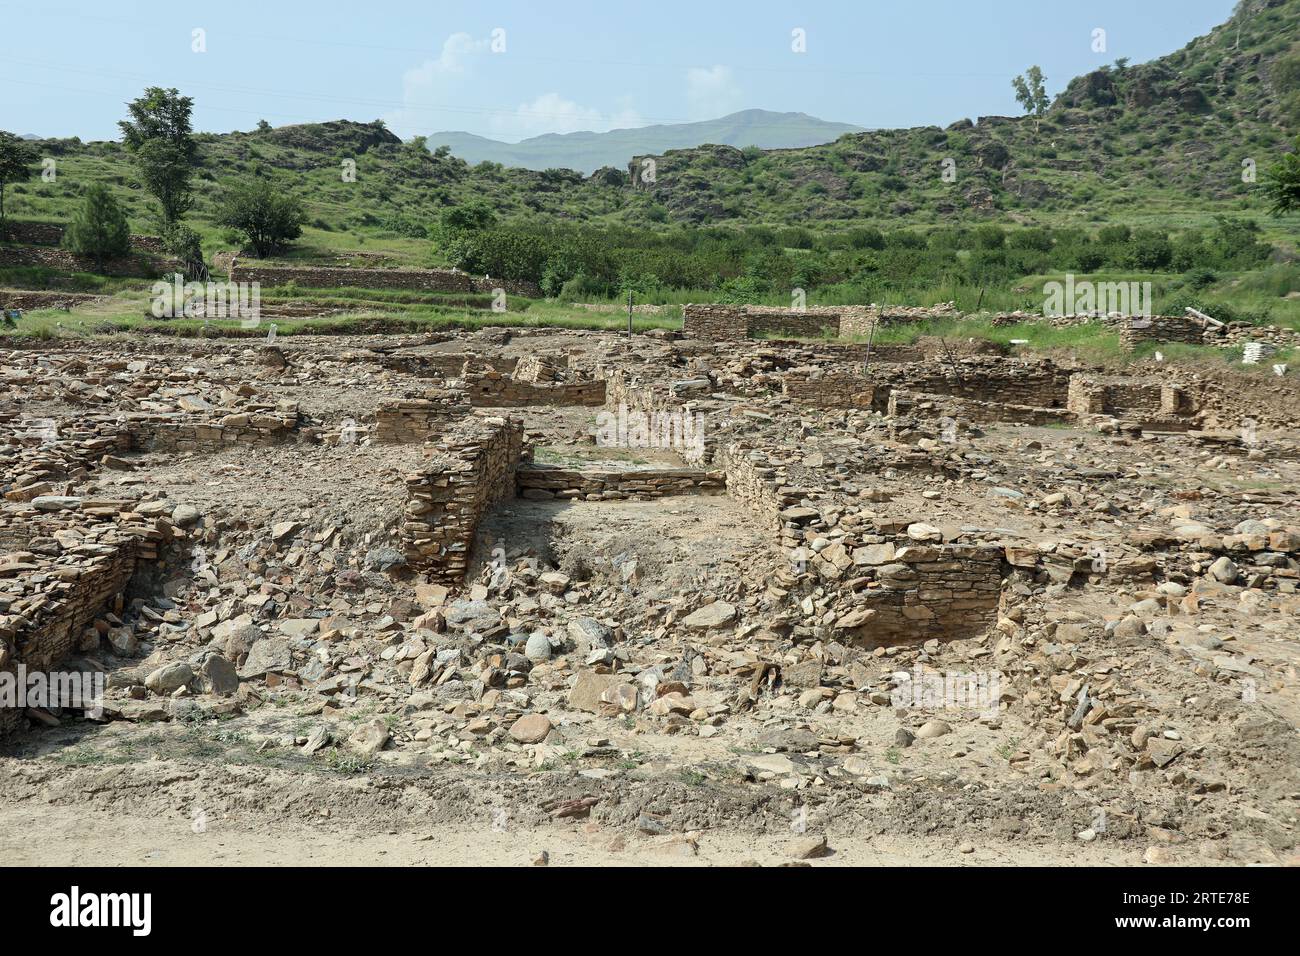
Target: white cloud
[(711, 92), (433, 85), (435, 93)]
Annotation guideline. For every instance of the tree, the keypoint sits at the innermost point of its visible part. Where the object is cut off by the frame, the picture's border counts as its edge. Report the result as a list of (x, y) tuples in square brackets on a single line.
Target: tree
[(1282, 185), (98, 228), (184, 243), (158, 137), (16, 164), (266, 215), (1031, 92)]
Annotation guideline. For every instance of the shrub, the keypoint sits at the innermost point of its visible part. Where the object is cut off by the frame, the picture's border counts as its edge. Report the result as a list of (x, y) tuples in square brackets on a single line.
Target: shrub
[(98, 228)]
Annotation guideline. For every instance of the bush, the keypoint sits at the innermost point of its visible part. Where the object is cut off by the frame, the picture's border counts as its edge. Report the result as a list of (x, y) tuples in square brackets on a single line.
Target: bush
[(98, 229), (263, 214)]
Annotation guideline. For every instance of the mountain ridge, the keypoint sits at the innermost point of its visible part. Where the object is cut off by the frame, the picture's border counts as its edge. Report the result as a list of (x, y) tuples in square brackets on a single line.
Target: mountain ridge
[(587, 151)]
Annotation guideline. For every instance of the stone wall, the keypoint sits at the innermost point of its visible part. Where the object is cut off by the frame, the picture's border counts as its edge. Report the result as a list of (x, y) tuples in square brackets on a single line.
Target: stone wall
[(139, 266), (444, 364), (1136, 330), (472, 467), (412, 420), (421, 280), (51, 594), (731, 322), (1027, 383), (1121, 396), (27, 300), (944, 592), (254, 426), (51, 234), (903, 403), (494, 390), (625, 396), (831, 389), (541, 482)]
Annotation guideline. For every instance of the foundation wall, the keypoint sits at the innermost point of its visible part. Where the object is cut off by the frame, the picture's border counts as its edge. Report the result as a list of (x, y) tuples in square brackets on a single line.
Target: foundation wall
[(473, 467)]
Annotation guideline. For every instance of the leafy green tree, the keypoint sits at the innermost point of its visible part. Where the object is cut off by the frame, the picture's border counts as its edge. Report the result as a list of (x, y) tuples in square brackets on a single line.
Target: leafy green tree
[(98, 228), (17, 161), (1031, 92), (158, 137), (263, 213), (184, 243), (1282, 185)]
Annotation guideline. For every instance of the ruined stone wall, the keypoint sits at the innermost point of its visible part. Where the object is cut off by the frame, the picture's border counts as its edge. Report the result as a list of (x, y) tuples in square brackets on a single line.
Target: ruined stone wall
[(903, 403), (944, 592), (412, 420), (51, 594), (1031, 384), (493, 390), (751, 479), (730, 322), (539, 369), (473, 466), (831, 389), (1123, 396), (624, 396), (1138, 331), (541, 482), (422, 280), (443, 364), (253, 427)]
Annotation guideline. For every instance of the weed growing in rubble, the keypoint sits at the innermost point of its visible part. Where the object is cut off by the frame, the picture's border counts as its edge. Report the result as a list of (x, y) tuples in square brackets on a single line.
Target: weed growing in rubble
[(341, 761), (892, 755), (693, 778), (79, 757)]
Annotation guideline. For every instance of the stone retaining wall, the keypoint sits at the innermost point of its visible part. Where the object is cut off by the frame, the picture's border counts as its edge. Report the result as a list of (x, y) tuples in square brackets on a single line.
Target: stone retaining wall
[(27, 300), (472, 467), (138, 266), (903, 403), (444, 365), (541, 482), (49, 599), (944, 592), (420, 280), (1138, 330), (494, 390), (412, 420)]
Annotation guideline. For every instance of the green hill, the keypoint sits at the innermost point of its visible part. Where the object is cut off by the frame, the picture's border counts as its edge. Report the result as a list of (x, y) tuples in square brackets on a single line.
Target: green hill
[(1162, 143)]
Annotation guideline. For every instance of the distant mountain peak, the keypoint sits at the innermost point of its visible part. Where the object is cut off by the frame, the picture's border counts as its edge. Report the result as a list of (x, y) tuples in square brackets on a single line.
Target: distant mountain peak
[(588, 151)]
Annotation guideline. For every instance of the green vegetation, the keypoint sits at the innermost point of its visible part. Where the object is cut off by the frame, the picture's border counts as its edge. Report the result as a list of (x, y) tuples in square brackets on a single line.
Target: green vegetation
[(99, 228), (158, 139), (262, 214), (17, 160), (1031, 91)]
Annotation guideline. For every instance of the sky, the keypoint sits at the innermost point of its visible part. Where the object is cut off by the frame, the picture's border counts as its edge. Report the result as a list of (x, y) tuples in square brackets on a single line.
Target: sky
[(510, 70)]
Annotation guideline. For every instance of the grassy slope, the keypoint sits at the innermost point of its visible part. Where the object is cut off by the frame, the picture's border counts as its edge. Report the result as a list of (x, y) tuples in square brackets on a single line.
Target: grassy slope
[(1161, 142)]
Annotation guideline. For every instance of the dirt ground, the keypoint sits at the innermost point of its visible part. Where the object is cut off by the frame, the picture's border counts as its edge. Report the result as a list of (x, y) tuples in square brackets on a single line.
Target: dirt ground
[(396, 727)]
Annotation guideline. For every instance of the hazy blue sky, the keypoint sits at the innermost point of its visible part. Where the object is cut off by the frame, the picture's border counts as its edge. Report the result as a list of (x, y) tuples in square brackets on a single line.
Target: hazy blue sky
[(67, 67)]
